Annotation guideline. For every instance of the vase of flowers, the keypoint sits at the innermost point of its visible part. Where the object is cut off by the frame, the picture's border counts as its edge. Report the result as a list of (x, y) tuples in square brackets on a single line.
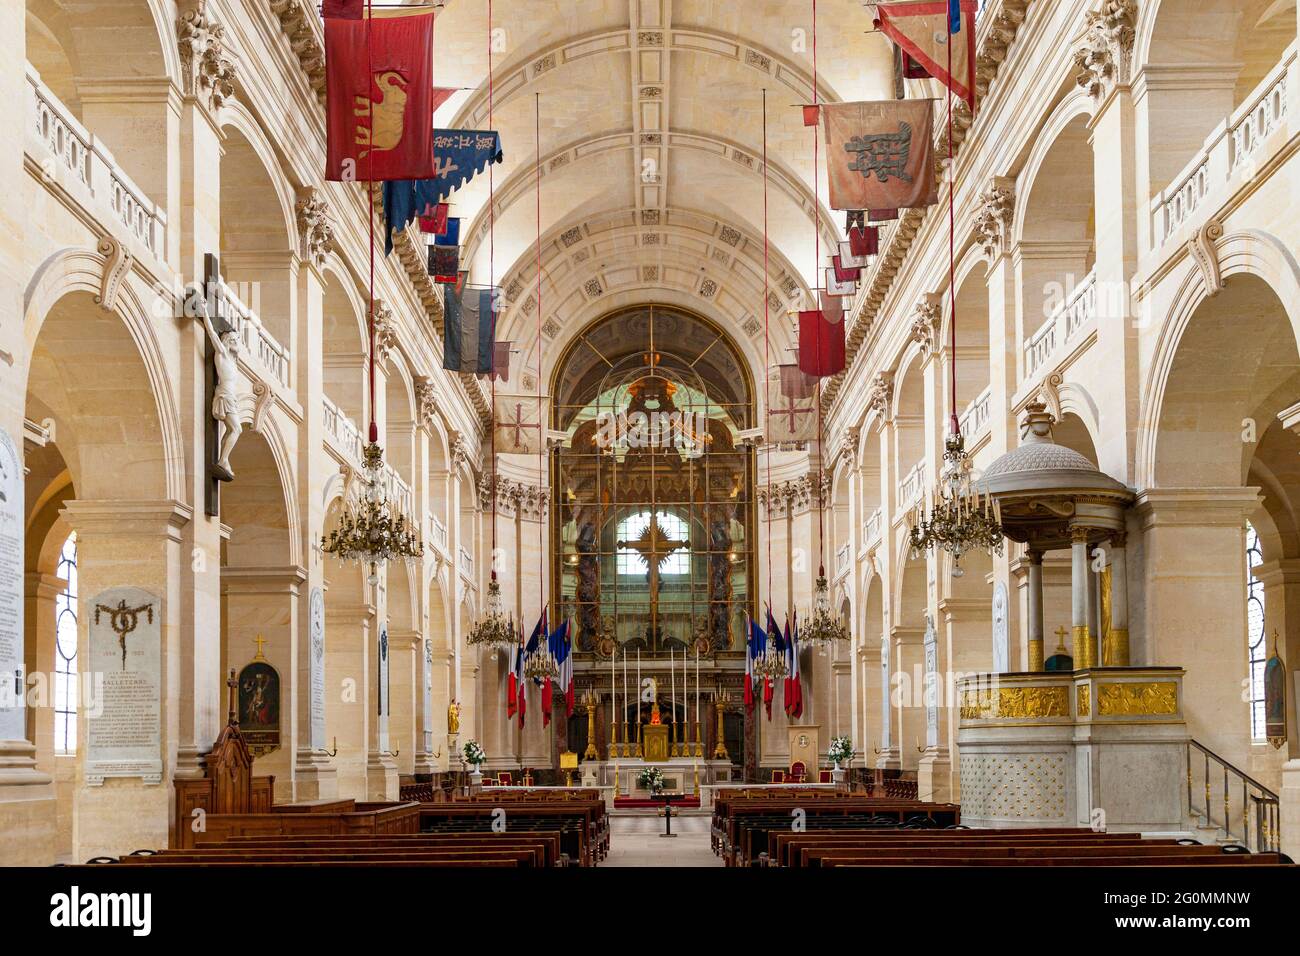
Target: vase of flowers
[(652, 779), (841, 752), (474, 756)]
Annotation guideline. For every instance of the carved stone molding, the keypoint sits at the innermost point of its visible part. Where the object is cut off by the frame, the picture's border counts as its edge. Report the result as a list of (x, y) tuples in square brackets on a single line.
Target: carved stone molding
[(925, 321), (1205, 253), (463, 451), (117, 266), (297, 23), (849, 446), (1049, 393), (1105, 59), (426, 402), (992, 221), (794, 497), (514, 498), (314, 229), (208, 71), (881, 395), (385, 331)]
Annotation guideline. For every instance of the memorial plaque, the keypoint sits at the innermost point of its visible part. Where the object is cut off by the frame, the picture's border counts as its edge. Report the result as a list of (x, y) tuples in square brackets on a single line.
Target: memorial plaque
[(316, 635), (13, 719), (885, 693), (1001, 643), (124, 739), (382, 689)]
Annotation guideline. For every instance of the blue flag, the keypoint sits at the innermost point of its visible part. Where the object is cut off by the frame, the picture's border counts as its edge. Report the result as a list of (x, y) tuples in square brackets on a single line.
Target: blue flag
[(469, 328), (458, 156), (954, 16)]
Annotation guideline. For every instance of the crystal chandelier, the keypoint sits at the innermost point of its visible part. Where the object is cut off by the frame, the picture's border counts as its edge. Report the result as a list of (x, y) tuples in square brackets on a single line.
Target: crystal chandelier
[(824, 629), (541, 665), (494, 629), (770, 665), (373, 533), (959, 519)]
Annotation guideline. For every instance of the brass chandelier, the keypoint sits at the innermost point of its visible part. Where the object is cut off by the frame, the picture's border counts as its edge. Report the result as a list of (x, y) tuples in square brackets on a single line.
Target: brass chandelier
[(541, 665), (771, 665), (959, 519), (824, 628), (494, 629), (373, 533)]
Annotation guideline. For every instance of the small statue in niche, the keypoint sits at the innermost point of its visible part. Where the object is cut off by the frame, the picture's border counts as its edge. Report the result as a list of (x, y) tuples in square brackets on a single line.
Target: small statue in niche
[(226, 398), (453, 717)]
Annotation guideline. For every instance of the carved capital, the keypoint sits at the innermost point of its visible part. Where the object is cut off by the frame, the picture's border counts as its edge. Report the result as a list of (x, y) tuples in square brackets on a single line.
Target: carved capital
[(1205, 253), (992, 220), (925, 321), (385, 331), (208, 70), (426, 401), (1105, 59), (314, 229), (881, 395)]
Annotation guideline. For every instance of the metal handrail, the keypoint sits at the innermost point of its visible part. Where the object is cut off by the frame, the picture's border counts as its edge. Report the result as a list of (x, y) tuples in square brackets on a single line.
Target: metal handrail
[(1260, 810)]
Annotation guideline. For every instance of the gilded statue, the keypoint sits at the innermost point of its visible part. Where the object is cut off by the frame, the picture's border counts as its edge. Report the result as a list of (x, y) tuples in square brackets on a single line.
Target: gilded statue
[(453, 717)]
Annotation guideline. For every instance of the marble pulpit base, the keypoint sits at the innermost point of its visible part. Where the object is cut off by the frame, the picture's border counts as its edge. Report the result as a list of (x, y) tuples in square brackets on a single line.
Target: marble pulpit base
[(679, 774)]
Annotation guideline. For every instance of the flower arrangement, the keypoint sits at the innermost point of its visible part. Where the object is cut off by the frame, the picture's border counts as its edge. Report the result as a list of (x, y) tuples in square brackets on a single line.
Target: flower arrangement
[(652, 779), (841, 751), (474, 753)]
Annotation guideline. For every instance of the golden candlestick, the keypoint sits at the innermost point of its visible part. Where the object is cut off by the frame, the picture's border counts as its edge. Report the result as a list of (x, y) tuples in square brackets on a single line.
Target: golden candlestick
[(639, 752), (613, 740), (699, 740), (720, 702), (627, 745), (676, 749), (591, 753)]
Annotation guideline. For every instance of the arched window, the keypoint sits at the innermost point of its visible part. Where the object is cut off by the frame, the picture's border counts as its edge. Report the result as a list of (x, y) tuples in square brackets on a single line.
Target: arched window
[(1256, 644), (631, 561), (65, 656)]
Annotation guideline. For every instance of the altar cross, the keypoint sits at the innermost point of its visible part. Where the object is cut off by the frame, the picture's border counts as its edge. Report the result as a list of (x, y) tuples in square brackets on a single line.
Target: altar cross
[(259, 641), (654, 545)]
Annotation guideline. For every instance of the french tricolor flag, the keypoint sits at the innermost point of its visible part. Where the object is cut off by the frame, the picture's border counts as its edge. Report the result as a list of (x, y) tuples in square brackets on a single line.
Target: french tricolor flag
[(754, 647)]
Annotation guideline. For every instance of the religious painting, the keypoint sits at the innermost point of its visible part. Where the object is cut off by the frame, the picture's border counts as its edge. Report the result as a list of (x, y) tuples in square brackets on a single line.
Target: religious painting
[(1275, 699), (654, 504), (259, 707)]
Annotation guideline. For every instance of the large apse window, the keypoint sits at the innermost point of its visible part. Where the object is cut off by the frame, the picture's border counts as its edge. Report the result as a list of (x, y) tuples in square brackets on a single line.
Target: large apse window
[(653, 524)]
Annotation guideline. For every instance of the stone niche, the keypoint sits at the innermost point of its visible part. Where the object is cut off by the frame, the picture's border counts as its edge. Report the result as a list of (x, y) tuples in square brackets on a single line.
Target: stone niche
[(1103, 748)]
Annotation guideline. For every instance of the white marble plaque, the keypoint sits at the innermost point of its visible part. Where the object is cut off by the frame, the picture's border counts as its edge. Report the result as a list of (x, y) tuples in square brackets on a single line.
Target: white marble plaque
[(885, 692), (125, 738), (426, 724), (382, 689), (1001, 645), (316, 634), (931, 684), (13, 722)]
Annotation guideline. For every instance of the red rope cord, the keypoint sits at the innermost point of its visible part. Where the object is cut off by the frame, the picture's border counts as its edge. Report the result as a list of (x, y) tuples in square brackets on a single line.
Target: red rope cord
[(817, 259), (541, 435), (370, 211), (767, 359), (492, 225), (953, 424)]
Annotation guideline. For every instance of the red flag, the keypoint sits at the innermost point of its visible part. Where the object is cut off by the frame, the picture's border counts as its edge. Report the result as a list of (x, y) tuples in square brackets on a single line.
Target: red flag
[(343, 9), (379, 96), (864, 241), (810, 115), (844, 273), (921, 31), (882, 215), (795, 384), (834, 286), (832, 307), (434, 221), (821, 344), (546, 703)]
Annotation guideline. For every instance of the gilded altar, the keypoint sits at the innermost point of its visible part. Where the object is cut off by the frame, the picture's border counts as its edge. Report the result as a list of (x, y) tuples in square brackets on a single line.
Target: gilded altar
[(654, 743)]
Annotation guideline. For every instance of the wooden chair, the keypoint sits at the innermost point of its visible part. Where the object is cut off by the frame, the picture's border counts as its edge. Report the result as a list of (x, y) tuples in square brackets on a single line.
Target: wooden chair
[(824, 776), (506, 777), (798, 772), (778, 776)]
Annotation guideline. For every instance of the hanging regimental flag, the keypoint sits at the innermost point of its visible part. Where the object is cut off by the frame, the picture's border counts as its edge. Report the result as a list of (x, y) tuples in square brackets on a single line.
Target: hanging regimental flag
[(469, 327), (795, 383), (444, 254), (880, 155), (517, 424), (844, 273), (821, 343), (923, 32), (837, 286), (459, 155), (864, 240), (343, 9), (788, 419), (379, 95), (433, 221)]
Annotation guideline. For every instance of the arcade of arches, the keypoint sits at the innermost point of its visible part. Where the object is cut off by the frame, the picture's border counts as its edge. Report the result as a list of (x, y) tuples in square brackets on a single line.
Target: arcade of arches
[(1126, 236)]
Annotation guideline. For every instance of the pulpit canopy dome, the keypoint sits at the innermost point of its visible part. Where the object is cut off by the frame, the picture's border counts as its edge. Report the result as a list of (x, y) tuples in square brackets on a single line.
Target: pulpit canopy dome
[(1044, 490)]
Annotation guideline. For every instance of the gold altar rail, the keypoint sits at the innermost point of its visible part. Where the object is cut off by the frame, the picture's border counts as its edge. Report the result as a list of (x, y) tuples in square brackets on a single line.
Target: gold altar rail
[(1240, 799)]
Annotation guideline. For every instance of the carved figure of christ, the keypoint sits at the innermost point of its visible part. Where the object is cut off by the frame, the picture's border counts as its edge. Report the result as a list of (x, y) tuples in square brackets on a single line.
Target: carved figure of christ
[(654, 545)]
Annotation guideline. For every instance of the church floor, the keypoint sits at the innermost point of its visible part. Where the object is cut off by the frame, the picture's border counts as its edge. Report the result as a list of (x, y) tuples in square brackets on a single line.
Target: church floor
[(635, 841)]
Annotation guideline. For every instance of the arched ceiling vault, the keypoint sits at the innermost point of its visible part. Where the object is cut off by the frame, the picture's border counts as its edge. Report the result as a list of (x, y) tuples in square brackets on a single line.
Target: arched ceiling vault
[(651, 143)]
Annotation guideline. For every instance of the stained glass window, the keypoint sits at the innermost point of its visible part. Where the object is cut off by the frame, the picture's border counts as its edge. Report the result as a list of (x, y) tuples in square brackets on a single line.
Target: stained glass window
[(65, 657), (672, 527), (1256, 642)]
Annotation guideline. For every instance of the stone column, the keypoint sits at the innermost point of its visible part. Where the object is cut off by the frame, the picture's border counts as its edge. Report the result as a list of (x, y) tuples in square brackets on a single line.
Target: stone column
[(137, 543), (1035, 660), (349, 630), (405, 670), (1116, 651), (907, 704)]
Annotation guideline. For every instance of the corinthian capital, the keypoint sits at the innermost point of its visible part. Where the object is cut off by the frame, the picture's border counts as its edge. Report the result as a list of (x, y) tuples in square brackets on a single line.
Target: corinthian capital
[(992, 221), (209, 71), (1105, 59), (314, 229), (925, 321), (881, 396)]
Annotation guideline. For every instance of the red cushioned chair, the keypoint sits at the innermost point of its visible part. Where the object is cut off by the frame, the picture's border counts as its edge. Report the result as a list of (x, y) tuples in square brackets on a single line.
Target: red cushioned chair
[(506, 778), (824, 776), (798, 772), (778, 776)]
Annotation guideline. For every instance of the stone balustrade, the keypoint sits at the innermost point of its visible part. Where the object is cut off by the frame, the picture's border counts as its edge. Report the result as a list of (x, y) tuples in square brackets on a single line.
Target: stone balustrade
[(975, 420), (259, 347), (911, 487), (1077, 312), (873, 527)]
